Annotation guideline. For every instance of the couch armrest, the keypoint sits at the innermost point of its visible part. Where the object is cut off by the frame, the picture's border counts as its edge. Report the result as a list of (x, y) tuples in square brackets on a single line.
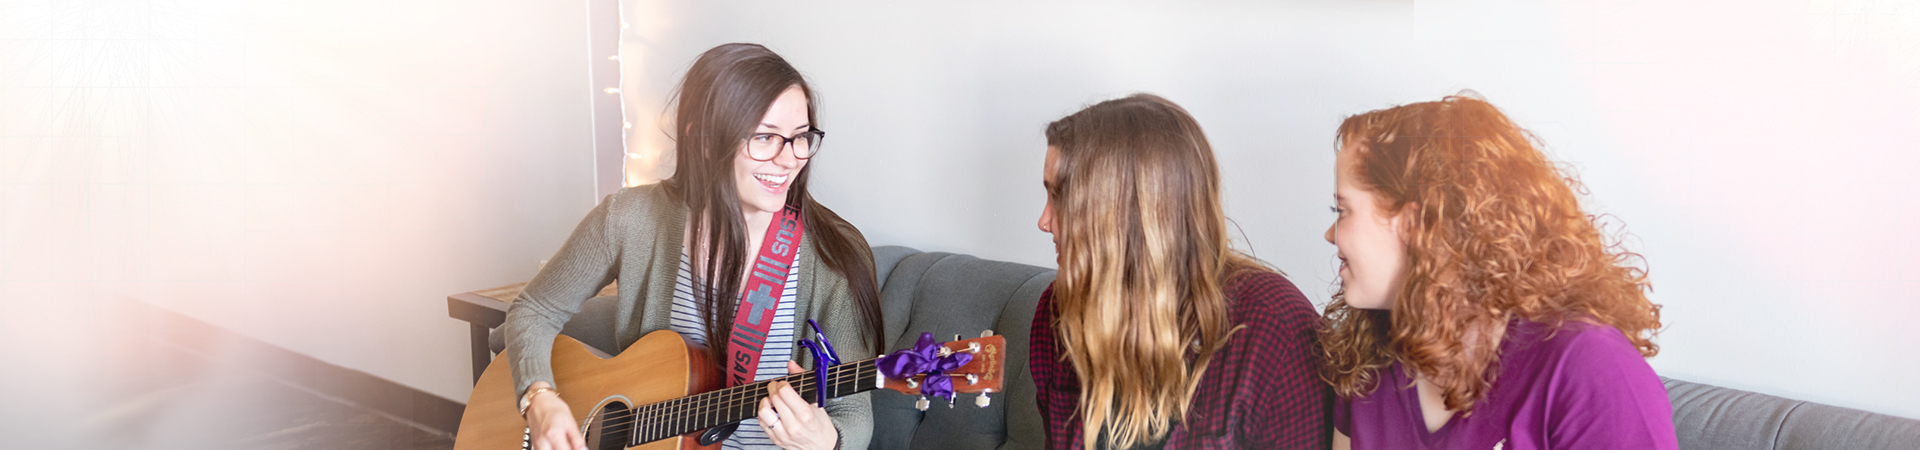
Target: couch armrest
[(887, 256)]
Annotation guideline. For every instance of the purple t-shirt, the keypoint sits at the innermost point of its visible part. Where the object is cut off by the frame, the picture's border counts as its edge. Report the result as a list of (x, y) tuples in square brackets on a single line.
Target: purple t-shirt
[(1585, 387)]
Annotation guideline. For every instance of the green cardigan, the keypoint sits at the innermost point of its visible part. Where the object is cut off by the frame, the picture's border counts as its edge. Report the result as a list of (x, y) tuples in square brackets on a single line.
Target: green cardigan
[(635, 236)]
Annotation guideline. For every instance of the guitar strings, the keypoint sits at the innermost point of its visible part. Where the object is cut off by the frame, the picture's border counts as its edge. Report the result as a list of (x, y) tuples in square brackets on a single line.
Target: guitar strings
[(655, 426), (679, 412), (730, 399)]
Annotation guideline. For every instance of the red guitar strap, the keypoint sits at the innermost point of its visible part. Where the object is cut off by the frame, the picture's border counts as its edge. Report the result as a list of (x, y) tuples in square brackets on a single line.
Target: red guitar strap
[(761, 297)]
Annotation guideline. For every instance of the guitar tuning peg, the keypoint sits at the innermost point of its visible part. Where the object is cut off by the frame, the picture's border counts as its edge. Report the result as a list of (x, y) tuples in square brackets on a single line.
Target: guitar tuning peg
[(982, 401), (913, 384), (986, 333), (921, 404), (956, 336), (973, 378), (950, 401)]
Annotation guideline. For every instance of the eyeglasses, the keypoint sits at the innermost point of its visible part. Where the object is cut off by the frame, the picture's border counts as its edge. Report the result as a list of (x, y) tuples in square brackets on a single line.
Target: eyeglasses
[(766, 146)]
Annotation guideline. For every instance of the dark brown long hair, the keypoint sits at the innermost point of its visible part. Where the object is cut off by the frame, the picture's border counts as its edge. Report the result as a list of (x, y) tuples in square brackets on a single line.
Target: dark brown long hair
[(1144, 262), (1496, 233), (721, 100)]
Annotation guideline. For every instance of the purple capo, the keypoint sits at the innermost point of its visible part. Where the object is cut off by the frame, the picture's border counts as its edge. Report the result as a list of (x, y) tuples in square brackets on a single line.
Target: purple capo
[(823, 359)]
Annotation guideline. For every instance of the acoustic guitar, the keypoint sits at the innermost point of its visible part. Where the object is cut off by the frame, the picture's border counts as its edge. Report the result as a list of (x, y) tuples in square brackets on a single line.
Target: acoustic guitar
[(662, 393)]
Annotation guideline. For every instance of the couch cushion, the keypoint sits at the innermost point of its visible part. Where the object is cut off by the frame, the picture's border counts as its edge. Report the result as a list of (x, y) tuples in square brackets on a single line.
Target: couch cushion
[(1708, 417), (948, 294), (887, 256), (1817, 426), (1712, 417)]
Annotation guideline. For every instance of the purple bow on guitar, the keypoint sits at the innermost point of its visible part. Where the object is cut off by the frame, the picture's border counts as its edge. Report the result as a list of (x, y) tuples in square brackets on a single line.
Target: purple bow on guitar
[(926, 358)]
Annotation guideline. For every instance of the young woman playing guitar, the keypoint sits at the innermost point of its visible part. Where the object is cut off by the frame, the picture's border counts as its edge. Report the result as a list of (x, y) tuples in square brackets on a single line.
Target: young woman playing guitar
[(732, 238), (1157, 333)]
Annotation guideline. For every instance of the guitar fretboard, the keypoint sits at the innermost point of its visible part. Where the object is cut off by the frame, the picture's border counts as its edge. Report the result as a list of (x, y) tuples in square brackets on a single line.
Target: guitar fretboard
[(652, 422)]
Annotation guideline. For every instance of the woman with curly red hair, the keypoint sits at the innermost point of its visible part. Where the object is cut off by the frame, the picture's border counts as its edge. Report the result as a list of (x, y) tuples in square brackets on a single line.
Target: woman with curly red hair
[(1479, 307)]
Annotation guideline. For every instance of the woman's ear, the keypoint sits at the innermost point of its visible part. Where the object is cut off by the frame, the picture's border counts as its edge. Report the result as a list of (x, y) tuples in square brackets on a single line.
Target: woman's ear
[(1402, 221)]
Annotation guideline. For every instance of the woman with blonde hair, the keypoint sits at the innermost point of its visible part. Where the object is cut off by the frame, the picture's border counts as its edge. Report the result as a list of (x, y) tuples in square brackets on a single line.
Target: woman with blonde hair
[(1479, 307), (1157, 333)]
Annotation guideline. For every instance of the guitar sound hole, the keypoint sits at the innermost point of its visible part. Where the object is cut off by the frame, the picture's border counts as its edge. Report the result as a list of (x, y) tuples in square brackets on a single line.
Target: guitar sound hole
[(608, 430)]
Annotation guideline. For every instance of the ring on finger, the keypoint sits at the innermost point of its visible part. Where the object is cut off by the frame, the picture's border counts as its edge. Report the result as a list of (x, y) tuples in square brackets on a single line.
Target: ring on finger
[(773, 423)]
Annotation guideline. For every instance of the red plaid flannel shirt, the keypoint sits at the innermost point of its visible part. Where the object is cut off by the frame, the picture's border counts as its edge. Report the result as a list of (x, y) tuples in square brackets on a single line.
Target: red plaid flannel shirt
[(1260, 391)]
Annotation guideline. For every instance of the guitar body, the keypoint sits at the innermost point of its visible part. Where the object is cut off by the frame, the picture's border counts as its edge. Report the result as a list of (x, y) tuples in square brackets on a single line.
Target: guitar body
[(661, 366)]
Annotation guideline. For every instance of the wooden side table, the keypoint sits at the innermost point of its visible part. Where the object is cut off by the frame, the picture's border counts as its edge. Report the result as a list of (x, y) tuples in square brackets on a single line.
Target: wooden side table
[(486, 309)]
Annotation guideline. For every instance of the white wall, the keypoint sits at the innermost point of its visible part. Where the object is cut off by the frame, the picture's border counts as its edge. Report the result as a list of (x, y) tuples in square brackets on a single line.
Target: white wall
[(1758, 153), (316, 174)]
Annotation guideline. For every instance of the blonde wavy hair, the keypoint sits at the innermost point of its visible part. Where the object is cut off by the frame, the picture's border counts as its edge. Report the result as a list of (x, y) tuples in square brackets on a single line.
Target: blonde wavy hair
[(1497, 233), (1144, 256)]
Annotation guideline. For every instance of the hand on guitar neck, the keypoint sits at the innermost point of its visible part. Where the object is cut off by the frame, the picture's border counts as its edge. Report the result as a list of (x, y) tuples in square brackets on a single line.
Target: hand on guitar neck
[(793, 422), (550, 423)]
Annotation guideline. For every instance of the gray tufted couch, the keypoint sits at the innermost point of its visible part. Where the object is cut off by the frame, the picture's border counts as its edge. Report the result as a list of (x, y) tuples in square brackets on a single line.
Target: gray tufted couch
[(1711, 417), (948, 294)]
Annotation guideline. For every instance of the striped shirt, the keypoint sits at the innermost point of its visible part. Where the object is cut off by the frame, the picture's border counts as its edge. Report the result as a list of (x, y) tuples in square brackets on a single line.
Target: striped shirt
[(773, 359)]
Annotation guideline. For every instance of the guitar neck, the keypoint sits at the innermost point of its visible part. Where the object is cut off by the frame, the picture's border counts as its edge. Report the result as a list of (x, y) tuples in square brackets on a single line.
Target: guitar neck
[(724, 406)]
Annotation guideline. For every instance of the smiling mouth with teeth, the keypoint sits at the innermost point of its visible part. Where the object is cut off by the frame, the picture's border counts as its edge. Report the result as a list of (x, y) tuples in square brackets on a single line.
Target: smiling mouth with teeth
[(772, 181)]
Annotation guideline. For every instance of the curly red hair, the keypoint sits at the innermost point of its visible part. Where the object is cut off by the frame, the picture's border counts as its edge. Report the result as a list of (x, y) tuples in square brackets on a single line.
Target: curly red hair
[(1496, 233)]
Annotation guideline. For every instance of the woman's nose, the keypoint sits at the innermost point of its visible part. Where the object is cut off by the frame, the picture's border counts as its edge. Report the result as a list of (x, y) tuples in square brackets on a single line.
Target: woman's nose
[(785, 157)]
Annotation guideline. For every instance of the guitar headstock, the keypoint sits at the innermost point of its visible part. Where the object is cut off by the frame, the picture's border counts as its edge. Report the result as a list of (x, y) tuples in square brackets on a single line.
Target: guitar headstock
[(986, 373)]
